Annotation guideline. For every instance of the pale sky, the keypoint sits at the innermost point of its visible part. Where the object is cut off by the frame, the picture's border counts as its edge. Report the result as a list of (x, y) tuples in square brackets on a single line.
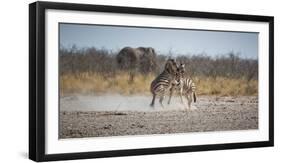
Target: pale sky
[(178, 41)]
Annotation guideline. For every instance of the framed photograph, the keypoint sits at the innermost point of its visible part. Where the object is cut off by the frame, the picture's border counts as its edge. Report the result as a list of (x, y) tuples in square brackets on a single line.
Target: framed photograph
[(110, 81)]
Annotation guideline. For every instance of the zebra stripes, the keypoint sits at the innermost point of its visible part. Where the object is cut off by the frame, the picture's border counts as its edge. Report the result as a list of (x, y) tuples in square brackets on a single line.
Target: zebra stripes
[(185, 86), (163, 82)]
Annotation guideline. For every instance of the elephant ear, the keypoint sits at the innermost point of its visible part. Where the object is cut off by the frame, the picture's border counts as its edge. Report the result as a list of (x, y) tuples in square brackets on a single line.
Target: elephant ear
[(141, 50), (152, 51)]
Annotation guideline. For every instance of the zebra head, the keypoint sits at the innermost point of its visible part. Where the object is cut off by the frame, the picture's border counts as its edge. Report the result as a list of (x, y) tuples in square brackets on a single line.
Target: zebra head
[(181, 69), (171, 66)]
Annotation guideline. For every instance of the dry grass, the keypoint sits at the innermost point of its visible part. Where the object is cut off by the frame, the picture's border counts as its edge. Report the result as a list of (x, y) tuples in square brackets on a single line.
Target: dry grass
[(226, 87), (96, 83)]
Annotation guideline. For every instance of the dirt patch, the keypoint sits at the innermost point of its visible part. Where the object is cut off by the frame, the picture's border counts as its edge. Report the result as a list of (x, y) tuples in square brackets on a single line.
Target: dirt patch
[(212, 114)]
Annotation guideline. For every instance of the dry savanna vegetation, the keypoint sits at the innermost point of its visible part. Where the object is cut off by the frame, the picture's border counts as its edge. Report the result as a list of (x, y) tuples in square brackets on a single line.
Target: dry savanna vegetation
[(87, 83), (91, 81), (93, 71)]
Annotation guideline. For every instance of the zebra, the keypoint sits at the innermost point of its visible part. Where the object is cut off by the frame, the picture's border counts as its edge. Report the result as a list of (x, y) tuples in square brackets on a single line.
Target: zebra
[(184, 85), (163, 82)]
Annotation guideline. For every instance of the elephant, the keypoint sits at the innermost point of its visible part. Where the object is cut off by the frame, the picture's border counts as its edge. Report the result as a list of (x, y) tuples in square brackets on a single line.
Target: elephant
[(135, 60)]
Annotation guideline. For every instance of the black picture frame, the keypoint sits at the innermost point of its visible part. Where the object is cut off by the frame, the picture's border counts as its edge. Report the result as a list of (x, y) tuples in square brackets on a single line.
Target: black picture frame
[(37, 80)]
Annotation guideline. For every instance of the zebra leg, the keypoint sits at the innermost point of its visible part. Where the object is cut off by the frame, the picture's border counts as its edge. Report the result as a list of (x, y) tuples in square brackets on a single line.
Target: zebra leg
[(171, 93), (153, 100), (182, 101), (194, 97), (181, 90), (181, 96), (189, 101), (161, 100)]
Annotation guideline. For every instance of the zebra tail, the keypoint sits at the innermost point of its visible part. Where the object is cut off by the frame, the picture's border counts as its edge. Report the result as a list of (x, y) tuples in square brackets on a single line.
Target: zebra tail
[(194, 97)]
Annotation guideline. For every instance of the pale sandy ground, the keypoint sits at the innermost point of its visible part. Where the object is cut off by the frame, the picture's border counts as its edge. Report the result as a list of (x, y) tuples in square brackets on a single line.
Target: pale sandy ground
[(116, 115)]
